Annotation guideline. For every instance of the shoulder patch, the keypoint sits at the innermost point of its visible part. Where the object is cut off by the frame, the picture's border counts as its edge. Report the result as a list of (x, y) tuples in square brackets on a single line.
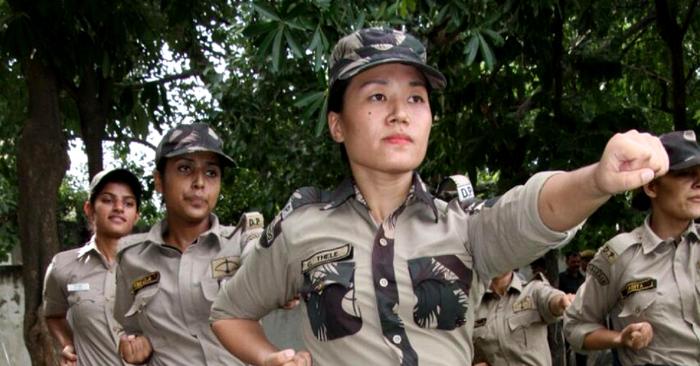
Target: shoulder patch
[(598, 274), (525, 303), (617, 245), (638, 286), (301, 197)]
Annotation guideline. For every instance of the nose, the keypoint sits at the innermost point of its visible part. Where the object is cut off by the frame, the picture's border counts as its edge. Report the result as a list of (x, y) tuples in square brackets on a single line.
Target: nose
[(198, 179), (118, 205), (399, 113)]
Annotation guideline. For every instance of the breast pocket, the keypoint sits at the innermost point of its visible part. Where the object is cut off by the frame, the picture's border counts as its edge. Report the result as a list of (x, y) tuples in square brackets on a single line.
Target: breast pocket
[(141, 310), (329, 294), (441, 285), (519, 323), (83, 306), (636, 306)]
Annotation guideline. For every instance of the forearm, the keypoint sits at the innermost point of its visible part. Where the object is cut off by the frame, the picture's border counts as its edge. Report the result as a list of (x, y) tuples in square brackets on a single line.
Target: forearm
[(60, 330), (555, 307), (568, 198), (244, 338), (602, 338)]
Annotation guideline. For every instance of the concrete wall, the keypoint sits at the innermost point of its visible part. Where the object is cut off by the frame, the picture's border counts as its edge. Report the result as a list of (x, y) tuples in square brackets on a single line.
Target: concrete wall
[(12, 349)]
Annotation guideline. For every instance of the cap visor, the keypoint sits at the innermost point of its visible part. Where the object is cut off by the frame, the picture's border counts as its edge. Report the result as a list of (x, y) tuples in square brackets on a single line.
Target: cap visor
[(434, 77), (695, 160)]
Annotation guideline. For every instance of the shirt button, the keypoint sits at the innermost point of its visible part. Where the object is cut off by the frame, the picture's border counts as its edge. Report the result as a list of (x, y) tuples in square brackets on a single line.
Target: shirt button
[(383, 282), (382, 242), (396, 339)]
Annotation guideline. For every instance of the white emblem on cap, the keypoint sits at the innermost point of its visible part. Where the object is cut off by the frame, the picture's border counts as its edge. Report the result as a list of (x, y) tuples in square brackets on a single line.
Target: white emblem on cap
[(689, 135)]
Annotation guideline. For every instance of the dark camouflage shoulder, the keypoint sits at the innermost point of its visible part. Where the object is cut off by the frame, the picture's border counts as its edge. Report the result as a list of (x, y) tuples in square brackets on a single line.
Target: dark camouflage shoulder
[(301, 197)]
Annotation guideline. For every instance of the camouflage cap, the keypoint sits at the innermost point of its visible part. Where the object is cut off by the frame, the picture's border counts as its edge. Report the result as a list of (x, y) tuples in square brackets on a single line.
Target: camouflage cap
[(185, 139), (119, 175), (370, 47)]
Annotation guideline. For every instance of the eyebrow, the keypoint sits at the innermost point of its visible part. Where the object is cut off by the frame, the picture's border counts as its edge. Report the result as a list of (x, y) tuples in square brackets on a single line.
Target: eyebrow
[(114, 195), (416, 82), (213, 161)]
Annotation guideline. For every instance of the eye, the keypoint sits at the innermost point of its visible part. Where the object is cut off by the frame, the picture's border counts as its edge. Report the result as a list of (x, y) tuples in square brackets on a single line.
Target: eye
[(377, 97), (416, 99), (130, 203), (106, 199), (184, 169), (213, 173)]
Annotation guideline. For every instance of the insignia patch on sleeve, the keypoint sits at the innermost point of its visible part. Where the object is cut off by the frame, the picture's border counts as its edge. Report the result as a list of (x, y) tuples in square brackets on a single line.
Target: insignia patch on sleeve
[(608, 254), (524, 304), (326, 256), (224, 266), (598, 274), (147, 280), (479, 322), (638, 286)]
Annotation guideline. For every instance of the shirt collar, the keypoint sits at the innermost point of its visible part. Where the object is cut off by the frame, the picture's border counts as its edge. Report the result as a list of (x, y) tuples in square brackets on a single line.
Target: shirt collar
[(650, 241), (88, 247), (515, 285), (155, 235), (348, 189)]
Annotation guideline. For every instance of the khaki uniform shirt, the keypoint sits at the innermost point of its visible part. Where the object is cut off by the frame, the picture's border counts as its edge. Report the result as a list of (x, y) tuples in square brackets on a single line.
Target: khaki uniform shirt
[(402, 291), (166, 295), (638, 277), (80, 284), (512, 330)]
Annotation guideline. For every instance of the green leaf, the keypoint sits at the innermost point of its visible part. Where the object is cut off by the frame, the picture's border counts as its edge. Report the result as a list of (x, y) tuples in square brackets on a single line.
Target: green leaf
[(321, 122), (277, 48), (293, 45), (489, 58), (472, 49), (266, 11), (309, 98), (497, 38)]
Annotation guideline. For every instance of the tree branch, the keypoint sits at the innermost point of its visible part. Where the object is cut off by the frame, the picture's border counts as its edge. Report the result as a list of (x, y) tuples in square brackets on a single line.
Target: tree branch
[(164, 80), (132, 139), (689, 16), (648, 72)]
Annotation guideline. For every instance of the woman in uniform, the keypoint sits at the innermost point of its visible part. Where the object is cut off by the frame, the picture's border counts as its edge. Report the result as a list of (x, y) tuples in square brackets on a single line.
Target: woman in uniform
[(79, 288), (168, 277), (389, 275), (511, 321), (647, 281)]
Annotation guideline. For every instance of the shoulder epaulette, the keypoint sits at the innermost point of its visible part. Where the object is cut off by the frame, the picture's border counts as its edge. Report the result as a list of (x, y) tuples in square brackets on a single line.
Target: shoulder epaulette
[(130, 241), (618, 245), (301, 197), (457, 185), (540, 277)]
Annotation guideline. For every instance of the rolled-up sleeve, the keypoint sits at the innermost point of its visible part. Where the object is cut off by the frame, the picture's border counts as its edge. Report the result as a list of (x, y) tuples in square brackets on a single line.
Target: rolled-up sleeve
[(544, 294), (55, 292), (508, 232), (592, 305), (262, 284)]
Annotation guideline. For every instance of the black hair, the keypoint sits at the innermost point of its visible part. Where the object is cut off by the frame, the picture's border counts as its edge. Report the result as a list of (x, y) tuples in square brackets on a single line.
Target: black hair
[(335, 104), (121, 179), (572, 253)]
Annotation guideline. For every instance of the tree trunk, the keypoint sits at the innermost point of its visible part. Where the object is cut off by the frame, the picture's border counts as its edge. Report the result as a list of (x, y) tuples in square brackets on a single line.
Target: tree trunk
[(42, 162), (93, 119), (672, 34)]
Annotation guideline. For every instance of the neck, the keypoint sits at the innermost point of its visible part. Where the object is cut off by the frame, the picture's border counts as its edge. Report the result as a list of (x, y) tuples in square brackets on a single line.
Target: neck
[(500, 284), (107, 246), (183, 233), (383, 192), (666, 227)]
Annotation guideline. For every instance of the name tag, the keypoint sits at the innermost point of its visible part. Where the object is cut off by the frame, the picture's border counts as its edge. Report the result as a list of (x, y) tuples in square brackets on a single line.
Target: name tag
[(525, 304), (147, 280), (326, 256), (637, 286), (75, 287)]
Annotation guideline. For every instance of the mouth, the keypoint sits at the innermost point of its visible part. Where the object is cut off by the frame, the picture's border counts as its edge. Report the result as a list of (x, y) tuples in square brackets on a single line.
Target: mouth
[(398, 139), (117, 219), (196, 201)]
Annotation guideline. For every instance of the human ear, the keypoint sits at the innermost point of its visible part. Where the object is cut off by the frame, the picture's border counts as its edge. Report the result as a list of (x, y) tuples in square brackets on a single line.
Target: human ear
[(335, 127), (650, 188)]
